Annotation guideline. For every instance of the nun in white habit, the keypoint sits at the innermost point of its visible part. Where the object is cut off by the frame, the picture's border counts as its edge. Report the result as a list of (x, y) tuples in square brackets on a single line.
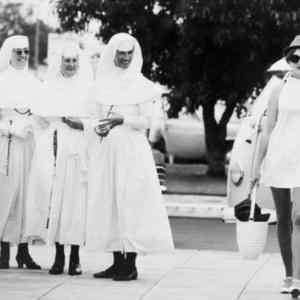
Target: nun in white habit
[(62, 218), (126, 212), (19, 90)]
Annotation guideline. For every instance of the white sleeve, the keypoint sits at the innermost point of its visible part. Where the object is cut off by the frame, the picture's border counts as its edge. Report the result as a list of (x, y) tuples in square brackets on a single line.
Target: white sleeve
[(143, 119)]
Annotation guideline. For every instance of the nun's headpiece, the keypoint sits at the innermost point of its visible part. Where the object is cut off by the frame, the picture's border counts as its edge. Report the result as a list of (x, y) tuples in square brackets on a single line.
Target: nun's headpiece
[(70, 49), (123, 42), (117, 86), (12, 42)]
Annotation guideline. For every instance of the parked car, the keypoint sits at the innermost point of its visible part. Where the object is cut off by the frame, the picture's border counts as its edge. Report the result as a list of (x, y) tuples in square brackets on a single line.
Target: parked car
[(185, 137), (243, 151)]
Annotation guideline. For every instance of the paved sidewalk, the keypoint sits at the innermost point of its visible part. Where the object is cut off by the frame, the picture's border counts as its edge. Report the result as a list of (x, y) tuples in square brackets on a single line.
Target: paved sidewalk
[(182, 275)]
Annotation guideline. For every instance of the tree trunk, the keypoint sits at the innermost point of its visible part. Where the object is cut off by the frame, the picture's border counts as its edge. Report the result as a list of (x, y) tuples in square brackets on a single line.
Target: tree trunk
[(215, 138)]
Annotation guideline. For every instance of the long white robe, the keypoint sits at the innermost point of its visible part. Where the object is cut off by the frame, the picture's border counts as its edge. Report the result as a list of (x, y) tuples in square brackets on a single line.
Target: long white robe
[(17, 89), (125, 209), (62, 215)]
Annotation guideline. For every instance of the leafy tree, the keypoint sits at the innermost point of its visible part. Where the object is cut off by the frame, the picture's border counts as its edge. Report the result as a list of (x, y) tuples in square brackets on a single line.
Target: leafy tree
[(202, 50), (227, 46), (13, 21)]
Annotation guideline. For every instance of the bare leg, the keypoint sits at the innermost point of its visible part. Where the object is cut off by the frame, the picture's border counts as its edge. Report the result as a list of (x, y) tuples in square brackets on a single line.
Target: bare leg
[(283, 205), (296, 237)]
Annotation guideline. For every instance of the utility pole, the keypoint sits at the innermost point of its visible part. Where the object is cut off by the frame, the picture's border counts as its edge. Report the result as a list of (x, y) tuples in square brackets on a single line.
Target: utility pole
[(37, 44)]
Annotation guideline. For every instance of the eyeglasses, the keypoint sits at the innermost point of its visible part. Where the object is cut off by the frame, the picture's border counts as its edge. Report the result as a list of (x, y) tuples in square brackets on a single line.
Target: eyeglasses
[(294, 58), (70, 60), (20, 51), (96, 55)]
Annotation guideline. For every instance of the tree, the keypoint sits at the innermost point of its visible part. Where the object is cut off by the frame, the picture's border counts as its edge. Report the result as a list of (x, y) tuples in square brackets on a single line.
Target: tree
[(202, 50), (153, 26), (15, 21)]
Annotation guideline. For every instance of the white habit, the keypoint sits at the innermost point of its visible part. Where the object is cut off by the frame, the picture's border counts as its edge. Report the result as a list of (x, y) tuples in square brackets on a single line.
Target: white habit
[(18, 90), (59, 191), (126, 210)]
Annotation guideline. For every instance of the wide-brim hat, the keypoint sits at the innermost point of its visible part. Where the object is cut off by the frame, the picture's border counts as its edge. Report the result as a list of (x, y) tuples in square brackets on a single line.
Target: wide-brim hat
[(295, 44), (280, 65)]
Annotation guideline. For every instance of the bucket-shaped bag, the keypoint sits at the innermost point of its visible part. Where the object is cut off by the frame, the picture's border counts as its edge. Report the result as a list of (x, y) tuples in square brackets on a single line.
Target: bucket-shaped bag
[(252, 234), (252, 230)]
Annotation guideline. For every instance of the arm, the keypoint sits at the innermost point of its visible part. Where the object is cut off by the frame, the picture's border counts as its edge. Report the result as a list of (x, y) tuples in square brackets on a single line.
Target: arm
[(272, 114), (137, 122), (74, 123), (143, 120), (4, 126), (40, 122)]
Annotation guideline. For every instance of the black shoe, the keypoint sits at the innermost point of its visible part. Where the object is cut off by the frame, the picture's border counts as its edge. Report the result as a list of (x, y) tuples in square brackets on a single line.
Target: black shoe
[(4, 264), (108, 273), (126, 276), (128, 270), (114, 268), (74, 269), (74, 263), (4, 255), (23, 258), (58, 266), (28, 262)]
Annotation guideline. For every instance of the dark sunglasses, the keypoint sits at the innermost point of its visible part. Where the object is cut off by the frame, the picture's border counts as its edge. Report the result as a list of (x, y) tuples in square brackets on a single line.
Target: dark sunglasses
[(70, 60), (294, 58), (20, 51), (96, 55)]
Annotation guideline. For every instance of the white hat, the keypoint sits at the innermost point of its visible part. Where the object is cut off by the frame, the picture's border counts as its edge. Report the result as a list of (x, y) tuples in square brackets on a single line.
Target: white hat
[(279, 65)]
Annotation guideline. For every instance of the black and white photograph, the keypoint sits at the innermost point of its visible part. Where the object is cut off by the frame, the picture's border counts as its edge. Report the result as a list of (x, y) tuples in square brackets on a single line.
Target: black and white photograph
[(149, 149)]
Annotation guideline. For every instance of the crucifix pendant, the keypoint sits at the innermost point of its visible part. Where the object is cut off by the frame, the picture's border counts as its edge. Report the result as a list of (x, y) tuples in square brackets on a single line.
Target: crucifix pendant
[(8, 149)]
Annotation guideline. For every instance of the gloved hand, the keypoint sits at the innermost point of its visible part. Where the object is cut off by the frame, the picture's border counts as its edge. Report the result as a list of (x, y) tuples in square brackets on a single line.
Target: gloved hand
[(73, 123)]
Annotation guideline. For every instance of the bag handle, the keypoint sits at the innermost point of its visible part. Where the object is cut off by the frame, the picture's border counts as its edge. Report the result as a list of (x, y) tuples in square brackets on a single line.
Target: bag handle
[(253, 181), (252, 197)]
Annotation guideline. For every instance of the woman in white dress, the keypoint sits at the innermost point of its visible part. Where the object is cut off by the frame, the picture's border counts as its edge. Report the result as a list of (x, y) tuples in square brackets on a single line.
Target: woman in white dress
[(126, 213), (18, 90), (58, 178), (281, 166)]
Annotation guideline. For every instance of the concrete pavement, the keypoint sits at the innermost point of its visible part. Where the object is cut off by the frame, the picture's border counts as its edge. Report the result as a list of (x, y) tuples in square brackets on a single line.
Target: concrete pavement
[(181, 275)]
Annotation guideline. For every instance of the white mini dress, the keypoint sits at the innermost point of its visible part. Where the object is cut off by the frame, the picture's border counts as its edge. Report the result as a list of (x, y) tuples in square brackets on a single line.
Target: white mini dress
[(281, 167)]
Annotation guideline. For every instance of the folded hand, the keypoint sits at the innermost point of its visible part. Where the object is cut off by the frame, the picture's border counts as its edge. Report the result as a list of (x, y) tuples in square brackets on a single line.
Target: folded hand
[(116, 119), (103, 128), (73, 123)]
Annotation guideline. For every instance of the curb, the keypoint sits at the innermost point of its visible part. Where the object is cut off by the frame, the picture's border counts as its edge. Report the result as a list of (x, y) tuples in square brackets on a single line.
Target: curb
[(195, 206), (203, 206)]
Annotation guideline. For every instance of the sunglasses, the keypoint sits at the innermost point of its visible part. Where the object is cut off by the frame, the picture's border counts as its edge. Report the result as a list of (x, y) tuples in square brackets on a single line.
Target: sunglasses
[(294, 58), (96, 55), (70, 60), (20, 51)]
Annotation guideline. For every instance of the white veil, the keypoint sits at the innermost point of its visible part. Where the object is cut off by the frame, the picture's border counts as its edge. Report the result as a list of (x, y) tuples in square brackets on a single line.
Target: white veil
[(116, 86), (18, 88), (66, 96), (72, 49), (12, 42)]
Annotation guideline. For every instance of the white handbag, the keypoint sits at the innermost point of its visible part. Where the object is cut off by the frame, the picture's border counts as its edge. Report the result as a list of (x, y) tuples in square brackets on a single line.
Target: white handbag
[(252, 235)]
